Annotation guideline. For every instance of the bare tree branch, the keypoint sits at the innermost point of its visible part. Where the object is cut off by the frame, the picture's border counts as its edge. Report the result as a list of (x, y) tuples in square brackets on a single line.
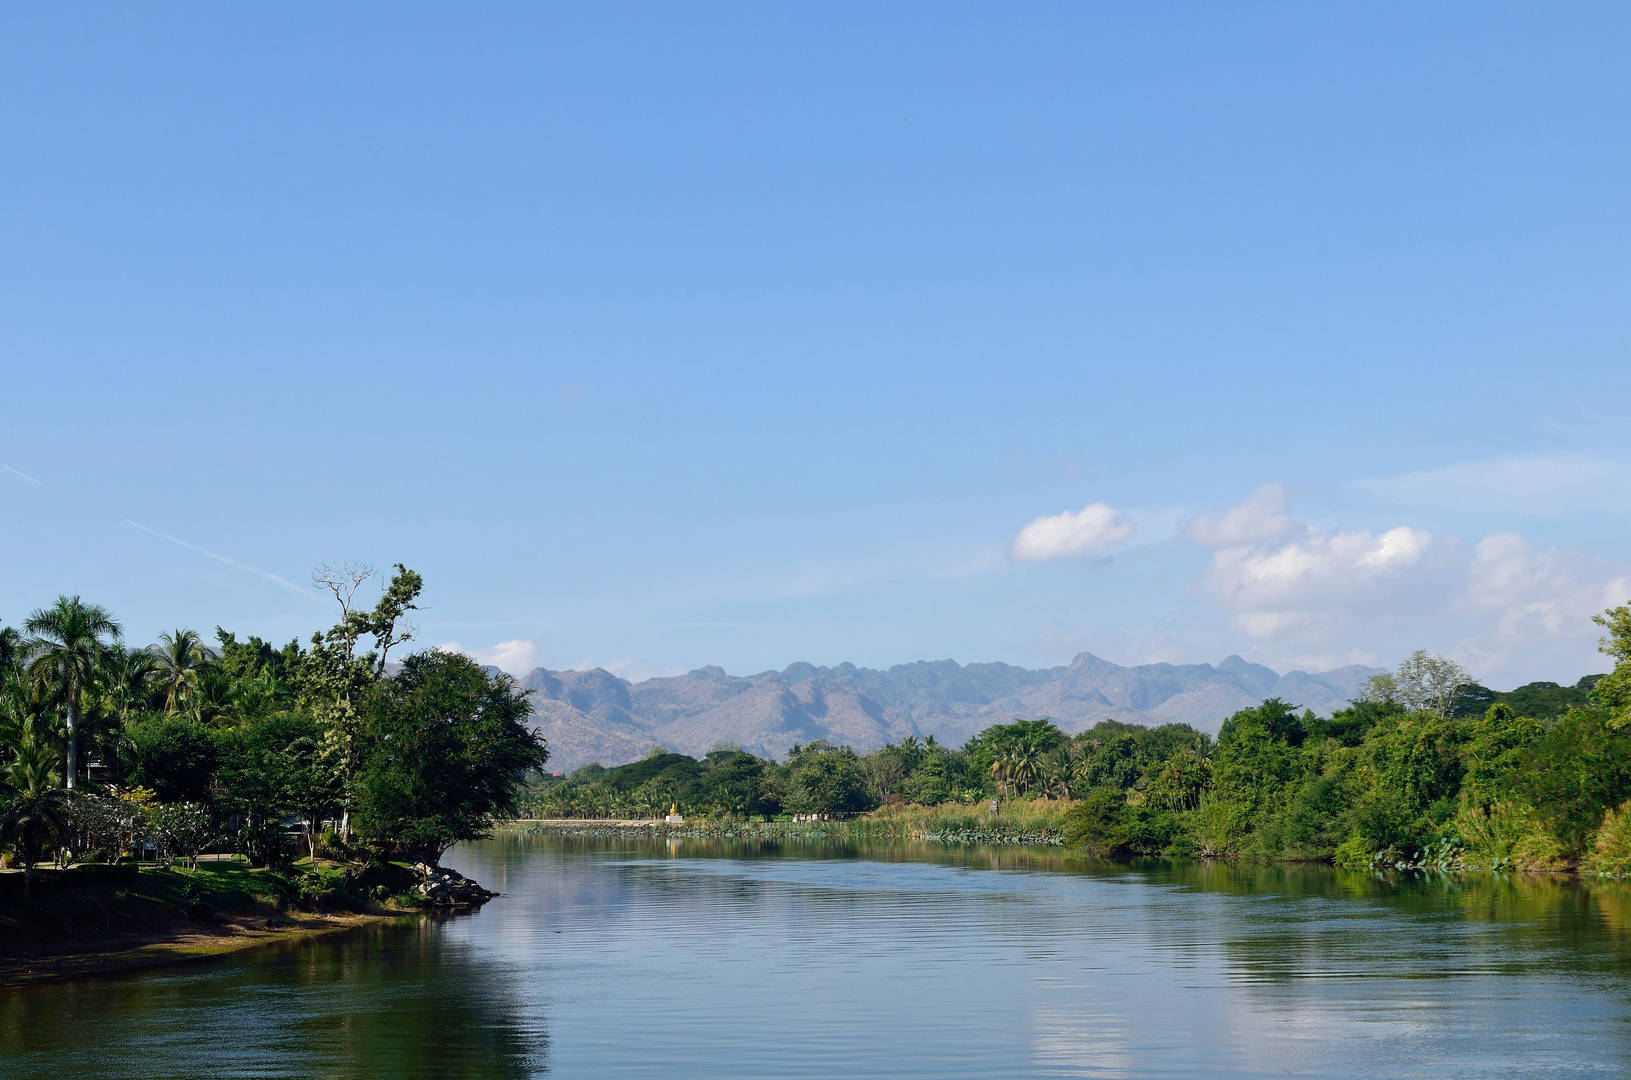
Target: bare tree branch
[(343, 581)]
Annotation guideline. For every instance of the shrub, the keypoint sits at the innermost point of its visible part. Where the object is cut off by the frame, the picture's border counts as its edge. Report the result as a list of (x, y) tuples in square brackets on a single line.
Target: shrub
[(264, 843), (1508, 833), (1097, 823), (1218, 827), (1611, 853), (1354, 851)]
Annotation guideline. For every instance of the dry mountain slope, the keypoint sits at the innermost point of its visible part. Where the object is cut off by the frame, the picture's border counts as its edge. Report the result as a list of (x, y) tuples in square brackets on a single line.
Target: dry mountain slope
[(596, 716)]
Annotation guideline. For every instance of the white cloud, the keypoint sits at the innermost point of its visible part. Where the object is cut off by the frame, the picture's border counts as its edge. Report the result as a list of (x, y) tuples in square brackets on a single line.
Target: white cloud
[(1275, 587), (1308, 597), (516, 657), (520, 657), (1096, 528), (1261, 517), (1535, 596), (1542, 485)]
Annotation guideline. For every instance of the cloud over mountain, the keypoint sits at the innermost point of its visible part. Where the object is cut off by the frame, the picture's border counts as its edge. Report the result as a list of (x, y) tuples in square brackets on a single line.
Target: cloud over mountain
[(1270, 587), (1535, 596), (1309, 596), (1095, 528)]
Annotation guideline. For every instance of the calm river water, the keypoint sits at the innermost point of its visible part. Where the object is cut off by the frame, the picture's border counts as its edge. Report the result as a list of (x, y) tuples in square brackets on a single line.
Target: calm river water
[(712, 959)]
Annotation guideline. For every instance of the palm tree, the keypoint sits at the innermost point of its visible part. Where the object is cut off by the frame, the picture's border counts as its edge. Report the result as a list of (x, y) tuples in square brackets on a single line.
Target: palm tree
[(26, 709), (1024, 764), (1000, 769), (179, 656), (131, 675), (1056, 774), (33, 816), (128, 692), (1017, 766), (128, 683), (128, 689), (250, 699), (214, 696), (66, 651), (11, 647)]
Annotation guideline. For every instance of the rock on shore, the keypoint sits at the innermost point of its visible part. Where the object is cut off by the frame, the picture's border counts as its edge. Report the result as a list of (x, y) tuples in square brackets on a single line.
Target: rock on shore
[(449, 888)]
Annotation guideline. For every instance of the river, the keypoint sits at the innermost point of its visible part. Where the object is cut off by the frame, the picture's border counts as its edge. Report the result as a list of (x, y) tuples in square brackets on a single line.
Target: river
[(715, 959)]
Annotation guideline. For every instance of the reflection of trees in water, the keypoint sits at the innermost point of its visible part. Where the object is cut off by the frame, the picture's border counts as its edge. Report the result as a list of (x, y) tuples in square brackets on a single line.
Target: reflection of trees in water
[(1420, 926), (1526, 912), (437, 1008), (1478, 969), (389, 1001)]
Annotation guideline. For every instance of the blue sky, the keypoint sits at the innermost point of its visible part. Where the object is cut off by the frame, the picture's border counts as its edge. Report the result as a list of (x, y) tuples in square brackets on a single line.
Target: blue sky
[(657, 336)]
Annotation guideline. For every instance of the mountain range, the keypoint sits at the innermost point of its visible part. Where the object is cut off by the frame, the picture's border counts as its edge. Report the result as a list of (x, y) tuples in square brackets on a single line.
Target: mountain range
[(596, 716)]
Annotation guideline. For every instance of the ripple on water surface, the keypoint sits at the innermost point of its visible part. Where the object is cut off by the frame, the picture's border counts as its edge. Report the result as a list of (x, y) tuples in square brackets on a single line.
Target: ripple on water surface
[(720, 959)]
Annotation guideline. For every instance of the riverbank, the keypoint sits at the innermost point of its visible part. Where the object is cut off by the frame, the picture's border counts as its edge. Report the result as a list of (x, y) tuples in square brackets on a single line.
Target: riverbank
[(1025, 823), (1030, 822), (176, 945), (102, 919)]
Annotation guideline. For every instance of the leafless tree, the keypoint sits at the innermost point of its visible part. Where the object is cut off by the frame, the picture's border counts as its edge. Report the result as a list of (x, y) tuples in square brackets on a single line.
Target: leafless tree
[(1423, 682), (343, 581)]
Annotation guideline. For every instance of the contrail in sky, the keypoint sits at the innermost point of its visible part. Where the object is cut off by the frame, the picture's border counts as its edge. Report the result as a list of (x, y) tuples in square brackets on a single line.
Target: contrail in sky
[(25, 476), (285, 582)]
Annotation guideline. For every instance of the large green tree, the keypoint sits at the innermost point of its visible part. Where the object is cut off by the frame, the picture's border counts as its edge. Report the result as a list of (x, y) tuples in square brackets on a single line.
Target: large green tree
[(446, 750), (68, 648), (824, 779), (175, 756), (1613, 691), (335, 680), (1257, 768)]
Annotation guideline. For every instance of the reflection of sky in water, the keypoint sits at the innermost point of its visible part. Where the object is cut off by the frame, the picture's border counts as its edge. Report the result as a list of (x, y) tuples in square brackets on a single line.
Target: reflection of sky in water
[(684, 963)]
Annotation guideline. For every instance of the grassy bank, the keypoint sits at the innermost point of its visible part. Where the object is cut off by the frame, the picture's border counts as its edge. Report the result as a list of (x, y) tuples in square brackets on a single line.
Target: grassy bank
[(1038, 821), (94, 919)]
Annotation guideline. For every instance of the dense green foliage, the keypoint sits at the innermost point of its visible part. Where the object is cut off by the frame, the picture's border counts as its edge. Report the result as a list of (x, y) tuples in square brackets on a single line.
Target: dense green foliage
[(445, 744), (1426, 768), (1541, 700), (1025, 758), (253, 746), (1539, 778), (106, 751)]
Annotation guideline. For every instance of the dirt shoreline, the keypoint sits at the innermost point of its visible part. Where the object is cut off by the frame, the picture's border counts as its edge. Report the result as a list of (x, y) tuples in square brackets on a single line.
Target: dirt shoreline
[(177, 944)]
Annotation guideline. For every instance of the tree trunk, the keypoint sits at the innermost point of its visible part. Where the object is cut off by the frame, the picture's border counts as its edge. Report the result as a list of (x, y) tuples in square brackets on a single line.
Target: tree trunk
[(73, 742)]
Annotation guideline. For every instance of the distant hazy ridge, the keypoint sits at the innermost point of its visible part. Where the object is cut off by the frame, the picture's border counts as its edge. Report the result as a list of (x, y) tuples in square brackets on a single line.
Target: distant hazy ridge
[(596, 716)]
